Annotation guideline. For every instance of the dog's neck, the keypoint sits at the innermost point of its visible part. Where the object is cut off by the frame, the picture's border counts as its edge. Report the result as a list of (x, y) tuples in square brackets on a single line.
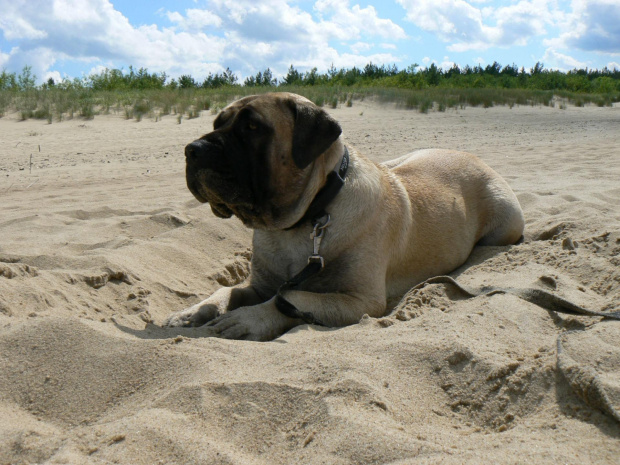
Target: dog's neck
[(333, 184)]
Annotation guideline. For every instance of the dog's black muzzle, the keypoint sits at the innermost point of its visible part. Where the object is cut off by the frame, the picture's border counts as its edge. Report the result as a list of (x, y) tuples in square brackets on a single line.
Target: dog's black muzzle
[(213, 175), (208, 170)]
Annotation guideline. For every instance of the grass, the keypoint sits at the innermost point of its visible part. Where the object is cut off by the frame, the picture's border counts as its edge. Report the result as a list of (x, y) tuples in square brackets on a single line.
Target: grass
[(60, 104)]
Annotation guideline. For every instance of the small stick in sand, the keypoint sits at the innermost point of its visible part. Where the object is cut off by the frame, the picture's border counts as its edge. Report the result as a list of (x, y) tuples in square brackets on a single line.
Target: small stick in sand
[(31, 159)]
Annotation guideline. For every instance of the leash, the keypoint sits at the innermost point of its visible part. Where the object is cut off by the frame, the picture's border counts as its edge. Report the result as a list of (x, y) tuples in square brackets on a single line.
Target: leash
[(320, 221), (538, 297), (583, 380), (315, 265)]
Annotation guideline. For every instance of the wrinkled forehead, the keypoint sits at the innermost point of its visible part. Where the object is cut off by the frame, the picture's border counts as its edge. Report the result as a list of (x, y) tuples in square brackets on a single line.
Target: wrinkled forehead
[(275, 108)]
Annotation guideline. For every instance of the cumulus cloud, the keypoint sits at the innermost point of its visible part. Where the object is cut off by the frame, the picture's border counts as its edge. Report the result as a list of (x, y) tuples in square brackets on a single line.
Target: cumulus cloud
[(469, 27), (446, 64), (194, 19), (588, 25), (349, 23), (359, 47), (55, 75), (245, 35), (592, 25), (93, 31), (15, 26), (555, 60)]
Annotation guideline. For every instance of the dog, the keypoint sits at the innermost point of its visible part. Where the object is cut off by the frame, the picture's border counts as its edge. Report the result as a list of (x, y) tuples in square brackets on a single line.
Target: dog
[(383, 228)]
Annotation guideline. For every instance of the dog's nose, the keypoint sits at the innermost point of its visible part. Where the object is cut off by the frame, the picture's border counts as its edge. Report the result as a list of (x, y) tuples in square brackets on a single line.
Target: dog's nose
[(192, 150)]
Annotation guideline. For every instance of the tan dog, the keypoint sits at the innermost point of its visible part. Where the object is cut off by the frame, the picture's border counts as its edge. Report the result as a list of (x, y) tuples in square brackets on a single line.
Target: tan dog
[(392, 225)]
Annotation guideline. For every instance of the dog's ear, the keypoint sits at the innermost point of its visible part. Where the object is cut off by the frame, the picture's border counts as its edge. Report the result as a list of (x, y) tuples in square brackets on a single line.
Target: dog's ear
[(315, 131)]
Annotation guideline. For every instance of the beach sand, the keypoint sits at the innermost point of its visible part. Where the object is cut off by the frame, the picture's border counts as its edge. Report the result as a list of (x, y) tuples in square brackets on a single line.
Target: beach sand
[(100, 240)]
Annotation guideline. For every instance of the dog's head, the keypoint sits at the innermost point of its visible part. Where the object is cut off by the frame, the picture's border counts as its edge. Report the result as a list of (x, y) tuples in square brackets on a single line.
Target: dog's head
[(265, 159)]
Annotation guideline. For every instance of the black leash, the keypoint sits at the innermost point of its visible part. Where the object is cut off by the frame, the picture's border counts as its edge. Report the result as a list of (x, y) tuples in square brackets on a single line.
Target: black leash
[(543, 299), (314, 266), (583, 379), (320, 221)]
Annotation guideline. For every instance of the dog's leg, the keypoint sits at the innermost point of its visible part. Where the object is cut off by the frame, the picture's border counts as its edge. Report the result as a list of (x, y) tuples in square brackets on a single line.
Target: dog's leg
[(221, 301), (507, 223), (334, 309), (265, 322)]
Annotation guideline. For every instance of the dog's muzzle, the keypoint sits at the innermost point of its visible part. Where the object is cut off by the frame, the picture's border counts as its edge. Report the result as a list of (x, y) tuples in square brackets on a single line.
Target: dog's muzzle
[(211, 177)]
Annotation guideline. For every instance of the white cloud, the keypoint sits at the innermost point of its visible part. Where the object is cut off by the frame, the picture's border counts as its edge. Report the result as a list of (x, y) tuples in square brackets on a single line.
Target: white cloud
[(20, 29), (4, 58), (40, 59), (346, 22), (360, 47), (94, 31), (55, 75), (555, 60), (97, 69), (468, 27), (245, 35), (388, 46), (591, 25), (446, 64), (519, 22), (194, 19), (451, 20), (14, 26), (613, 65)]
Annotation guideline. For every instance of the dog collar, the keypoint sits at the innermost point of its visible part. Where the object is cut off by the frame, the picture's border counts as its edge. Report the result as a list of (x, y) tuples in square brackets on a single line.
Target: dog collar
[(333, 184)]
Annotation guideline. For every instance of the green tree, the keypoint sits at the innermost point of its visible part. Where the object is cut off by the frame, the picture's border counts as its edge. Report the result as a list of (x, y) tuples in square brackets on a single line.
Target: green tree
[(187, 82), (8, 81), (26, 80), (293, 77)]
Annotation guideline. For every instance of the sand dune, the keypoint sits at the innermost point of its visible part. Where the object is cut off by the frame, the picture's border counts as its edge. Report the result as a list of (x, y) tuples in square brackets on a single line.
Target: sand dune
[(100, 240)]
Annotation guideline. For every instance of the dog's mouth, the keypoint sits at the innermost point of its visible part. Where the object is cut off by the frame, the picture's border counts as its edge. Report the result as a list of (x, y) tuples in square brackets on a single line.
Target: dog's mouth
[(224, 196)]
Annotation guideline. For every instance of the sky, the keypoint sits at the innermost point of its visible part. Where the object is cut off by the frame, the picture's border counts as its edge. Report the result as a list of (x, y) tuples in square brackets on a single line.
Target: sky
[(75, 38)]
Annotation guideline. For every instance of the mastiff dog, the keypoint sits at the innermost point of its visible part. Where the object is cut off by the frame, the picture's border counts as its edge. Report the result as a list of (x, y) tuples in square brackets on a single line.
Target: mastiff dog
[(335, 235)]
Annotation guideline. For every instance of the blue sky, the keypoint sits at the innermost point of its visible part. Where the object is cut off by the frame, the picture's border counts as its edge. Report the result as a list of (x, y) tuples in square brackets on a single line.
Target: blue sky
[(72, 38)]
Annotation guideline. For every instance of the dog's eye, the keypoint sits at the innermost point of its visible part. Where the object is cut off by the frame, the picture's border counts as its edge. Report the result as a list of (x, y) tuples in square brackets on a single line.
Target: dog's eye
[(252, 126)]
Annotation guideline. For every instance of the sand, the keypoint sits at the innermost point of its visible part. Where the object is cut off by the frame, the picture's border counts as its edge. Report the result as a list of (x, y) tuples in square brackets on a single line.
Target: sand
[(100, 240)]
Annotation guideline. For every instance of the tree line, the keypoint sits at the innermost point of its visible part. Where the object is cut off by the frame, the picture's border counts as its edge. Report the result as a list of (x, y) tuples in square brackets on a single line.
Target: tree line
[(411, 77)]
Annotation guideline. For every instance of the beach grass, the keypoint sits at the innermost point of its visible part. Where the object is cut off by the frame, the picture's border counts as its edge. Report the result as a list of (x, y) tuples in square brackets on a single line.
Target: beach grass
[(55, 104)]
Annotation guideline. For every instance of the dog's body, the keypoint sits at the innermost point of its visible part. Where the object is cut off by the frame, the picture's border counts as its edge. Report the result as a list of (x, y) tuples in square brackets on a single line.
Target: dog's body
[(392, 225)]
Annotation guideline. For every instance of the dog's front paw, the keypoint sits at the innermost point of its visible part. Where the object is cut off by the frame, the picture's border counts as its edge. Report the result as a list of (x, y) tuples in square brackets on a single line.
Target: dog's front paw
[(196, 315), (258, 323)]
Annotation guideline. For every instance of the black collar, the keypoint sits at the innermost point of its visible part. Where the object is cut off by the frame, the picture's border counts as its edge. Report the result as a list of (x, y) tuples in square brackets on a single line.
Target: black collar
[(333, 184)]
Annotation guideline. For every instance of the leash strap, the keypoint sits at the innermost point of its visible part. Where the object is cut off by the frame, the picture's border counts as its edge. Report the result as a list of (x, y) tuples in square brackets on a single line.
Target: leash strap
[(316, 212), (583, 380), (314, 266), (544, 299)]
